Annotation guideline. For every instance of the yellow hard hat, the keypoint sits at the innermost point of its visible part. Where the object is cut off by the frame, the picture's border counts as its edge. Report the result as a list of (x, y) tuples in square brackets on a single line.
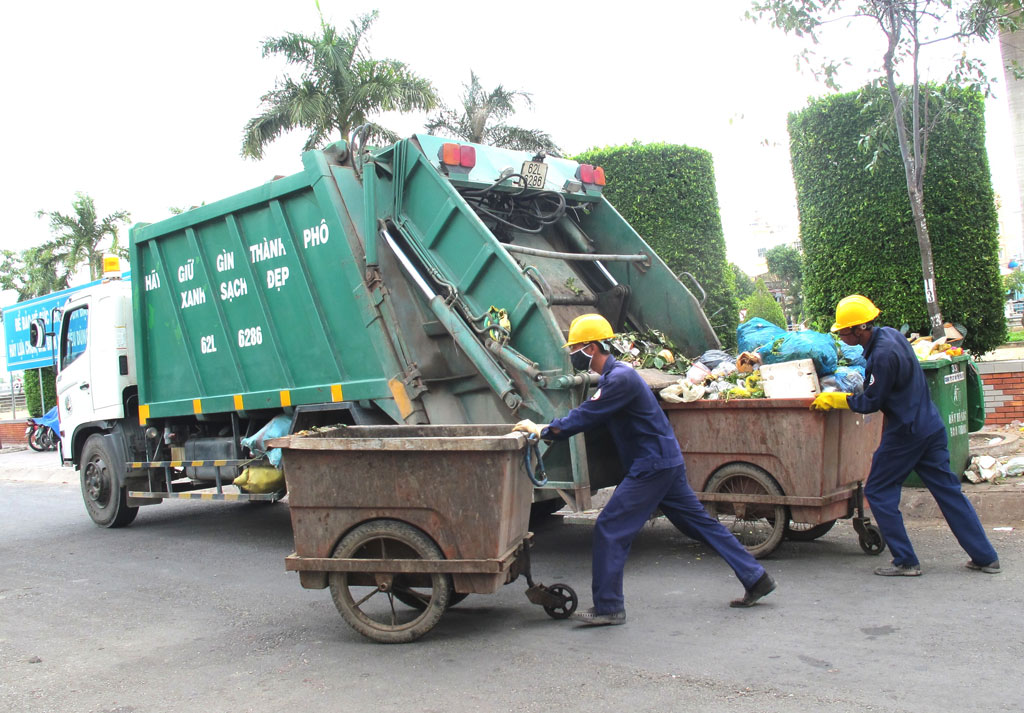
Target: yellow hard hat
[(589, 328), (854, 310)]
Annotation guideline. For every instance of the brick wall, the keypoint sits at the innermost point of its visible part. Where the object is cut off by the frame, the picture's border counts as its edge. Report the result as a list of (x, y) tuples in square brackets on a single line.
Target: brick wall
[(12, 432), (1004, 391)]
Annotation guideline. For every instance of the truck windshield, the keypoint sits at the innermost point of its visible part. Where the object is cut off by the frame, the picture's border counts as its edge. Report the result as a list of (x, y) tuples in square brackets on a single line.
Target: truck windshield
[(74, 335)]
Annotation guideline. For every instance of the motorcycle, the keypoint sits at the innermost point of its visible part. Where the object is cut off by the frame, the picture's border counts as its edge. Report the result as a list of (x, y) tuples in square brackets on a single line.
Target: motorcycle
[(42, 433)]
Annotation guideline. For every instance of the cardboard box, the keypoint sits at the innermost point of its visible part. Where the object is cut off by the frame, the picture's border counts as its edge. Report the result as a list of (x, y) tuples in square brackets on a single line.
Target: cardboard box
[(790, 380)]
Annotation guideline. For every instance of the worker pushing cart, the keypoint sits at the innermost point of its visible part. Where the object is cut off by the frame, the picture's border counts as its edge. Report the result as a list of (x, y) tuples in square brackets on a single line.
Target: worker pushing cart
[(913, 439), (655, 477)]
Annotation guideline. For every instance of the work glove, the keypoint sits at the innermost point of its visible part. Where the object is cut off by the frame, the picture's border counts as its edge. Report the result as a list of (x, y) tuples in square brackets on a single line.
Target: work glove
[(830, 400), (528, 426)]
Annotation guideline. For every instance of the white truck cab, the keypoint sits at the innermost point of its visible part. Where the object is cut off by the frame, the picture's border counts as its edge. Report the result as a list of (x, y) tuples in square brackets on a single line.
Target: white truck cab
[(95, 362)]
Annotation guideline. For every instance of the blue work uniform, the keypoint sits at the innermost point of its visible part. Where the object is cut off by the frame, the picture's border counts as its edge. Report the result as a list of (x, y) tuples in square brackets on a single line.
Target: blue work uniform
[(913, 439), (655, 478)]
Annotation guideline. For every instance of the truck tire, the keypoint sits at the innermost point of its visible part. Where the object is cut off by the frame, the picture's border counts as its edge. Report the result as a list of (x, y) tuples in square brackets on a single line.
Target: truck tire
[(105, 500)]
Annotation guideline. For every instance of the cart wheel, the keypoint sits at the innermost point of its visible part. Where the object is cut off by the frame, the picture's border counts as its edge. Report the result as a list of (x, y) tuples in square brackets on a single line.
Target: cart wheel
[(569, 601), (417, 599), (758, 527), (801, 532), (366, 601), (871, 540)]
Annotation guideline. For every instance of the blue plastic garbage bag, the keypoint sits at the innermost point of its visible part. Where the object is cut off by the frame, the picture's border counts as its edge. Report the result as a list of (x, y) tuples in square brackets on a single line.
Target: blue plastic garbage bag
[(277, 427), (806, 344), (850, 379), (757, 332), (854, 355)]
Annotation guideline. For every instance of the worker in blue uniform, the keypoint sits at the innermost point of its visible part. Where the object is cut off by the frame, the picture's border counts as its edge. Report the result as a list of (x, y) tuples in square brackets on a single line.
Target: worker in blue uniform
[(655, 475), (913, 439)]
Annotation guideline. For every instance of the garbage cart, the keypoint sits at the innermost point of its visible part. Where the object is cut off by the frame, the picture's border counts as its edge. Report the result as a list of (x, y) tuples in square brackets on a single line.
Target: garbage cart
[(771, 468), (403, 522)]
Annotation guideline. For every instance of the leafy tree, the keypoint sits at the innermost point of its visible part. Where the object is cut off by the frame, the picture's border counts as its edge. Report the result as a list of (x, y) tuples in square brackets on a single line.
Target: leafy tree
[(787, 264), (1013, 282), (33, 272), (744, 285), (762, 304), (481, 120), (82, 237), (340, 87), (908, 27)]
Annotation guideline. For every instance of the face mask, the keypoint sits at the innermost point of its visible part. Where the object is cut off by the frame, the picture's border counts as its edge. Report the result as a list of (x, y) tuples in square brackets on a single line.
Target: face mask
[(580, 360)]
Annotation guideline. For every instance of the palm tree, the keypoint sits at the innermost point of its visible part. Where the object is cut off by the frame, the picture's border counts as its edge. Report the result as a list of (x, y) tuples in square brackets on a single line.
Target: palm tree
[(481, 120), (339, 88), (33, 272), (78, 238)]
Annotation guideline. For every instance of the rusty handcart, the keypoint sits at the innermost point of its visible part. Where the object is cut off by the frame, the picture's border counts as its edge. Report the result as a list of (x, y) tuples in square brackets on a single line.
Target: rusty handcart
[(771, 468), (403, 522)]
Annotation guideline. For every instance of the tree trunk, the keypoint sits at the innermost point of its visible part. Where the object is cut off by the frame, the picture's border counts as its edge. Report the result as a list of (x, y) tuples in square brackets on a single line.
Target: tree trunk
[(927, 266)]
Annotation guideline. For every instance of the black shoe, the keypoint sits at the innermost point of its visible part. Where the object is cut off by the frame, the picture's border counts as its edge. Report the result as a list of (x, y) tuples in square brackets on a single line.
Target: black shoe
[(992, 568), (592, 618), (762, 587), (899, 570)]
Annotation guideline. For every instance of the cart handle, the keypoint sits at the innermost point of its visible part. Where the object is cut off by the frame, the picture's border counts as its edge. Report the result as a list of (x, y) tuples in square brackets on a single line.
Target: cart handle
[(533, 446)]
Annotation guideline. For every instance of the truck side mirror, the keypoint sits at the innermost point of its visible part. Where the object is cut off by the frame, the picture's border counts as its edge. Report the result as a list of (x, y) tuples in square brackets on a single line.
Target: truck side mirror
[(37, 333)]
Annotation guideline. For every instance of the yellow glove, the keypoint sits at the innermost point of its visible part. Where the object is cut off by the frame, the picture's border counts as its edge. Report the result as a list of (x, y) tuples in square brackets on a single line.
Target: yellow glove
[(830, 400), (530, 427)]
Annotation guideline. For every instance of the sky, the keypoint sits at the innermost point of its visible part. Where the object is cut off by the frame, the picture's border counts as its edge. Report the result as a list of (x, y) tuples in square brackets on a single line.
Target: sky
[(142, 105)]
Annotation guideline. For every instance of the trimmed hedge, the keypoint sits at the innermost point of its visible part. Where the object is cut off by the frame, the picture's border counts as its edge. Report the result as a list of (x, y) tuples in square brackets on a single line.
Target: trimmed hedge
[(856, 226), (30, 381), (667, 193)]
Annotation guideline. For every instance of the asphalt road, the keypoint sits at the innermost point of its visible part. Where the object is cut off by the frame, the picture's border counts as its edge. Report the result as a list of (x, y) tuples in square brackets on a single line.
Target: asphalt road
[(190, 609)]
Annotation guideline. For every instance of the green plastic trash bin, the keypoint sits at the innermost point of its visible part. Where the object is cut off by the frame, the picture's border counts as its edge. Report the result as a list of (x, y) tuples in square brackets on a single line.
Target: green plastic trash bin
[(955, 388)]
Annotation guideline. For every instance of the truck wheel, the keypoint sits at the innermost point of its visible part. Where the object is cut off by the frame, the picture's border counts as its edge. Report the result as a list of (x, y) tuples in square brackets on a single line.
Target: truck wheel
[(106, 503), (366, 601), (759, 527)]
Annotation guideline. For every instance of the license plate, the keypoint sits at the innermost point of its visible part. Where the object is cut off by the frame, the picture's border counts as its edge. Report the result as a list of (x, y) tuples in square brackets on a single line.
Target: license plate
[(535, 173)]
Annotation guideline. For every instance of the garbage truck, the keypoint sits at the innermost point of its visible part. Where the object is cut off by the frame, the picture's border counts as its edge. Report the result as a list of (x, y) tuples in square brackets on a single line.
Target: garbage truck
[(430, 281)]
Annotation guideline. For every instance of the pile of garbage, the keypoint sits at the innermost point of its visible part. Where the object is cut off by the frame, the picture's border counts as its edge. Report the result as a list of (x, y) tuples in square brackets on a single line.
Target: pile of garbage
[(983, 469), (719, 375), (649, 350)]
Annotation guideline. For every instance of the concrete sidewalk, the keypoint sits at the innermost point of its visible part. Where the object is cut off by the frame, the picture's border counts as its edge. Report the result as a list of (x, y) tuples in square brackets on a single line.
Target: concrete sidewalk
[(21, 463), (998, 504)]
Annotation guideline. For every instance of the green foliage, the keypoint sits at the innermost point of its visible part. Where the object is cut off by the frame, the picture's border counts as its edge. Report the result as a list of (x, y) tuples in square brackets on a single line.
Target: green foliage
[(667, 193), (82, 237), (481, 120), (762, 304), (787, 264), (33, 272), (744, 286), (339, 88), (78, 237), (30, 380), (856, 226), (1013, 282)]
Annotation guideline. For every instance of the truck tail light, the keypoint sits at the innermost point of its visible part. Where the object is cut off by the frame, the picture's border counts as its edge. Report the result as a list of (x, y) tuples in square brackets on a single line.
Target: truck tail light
[(458, 155), (599, 175), (585, 173)]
